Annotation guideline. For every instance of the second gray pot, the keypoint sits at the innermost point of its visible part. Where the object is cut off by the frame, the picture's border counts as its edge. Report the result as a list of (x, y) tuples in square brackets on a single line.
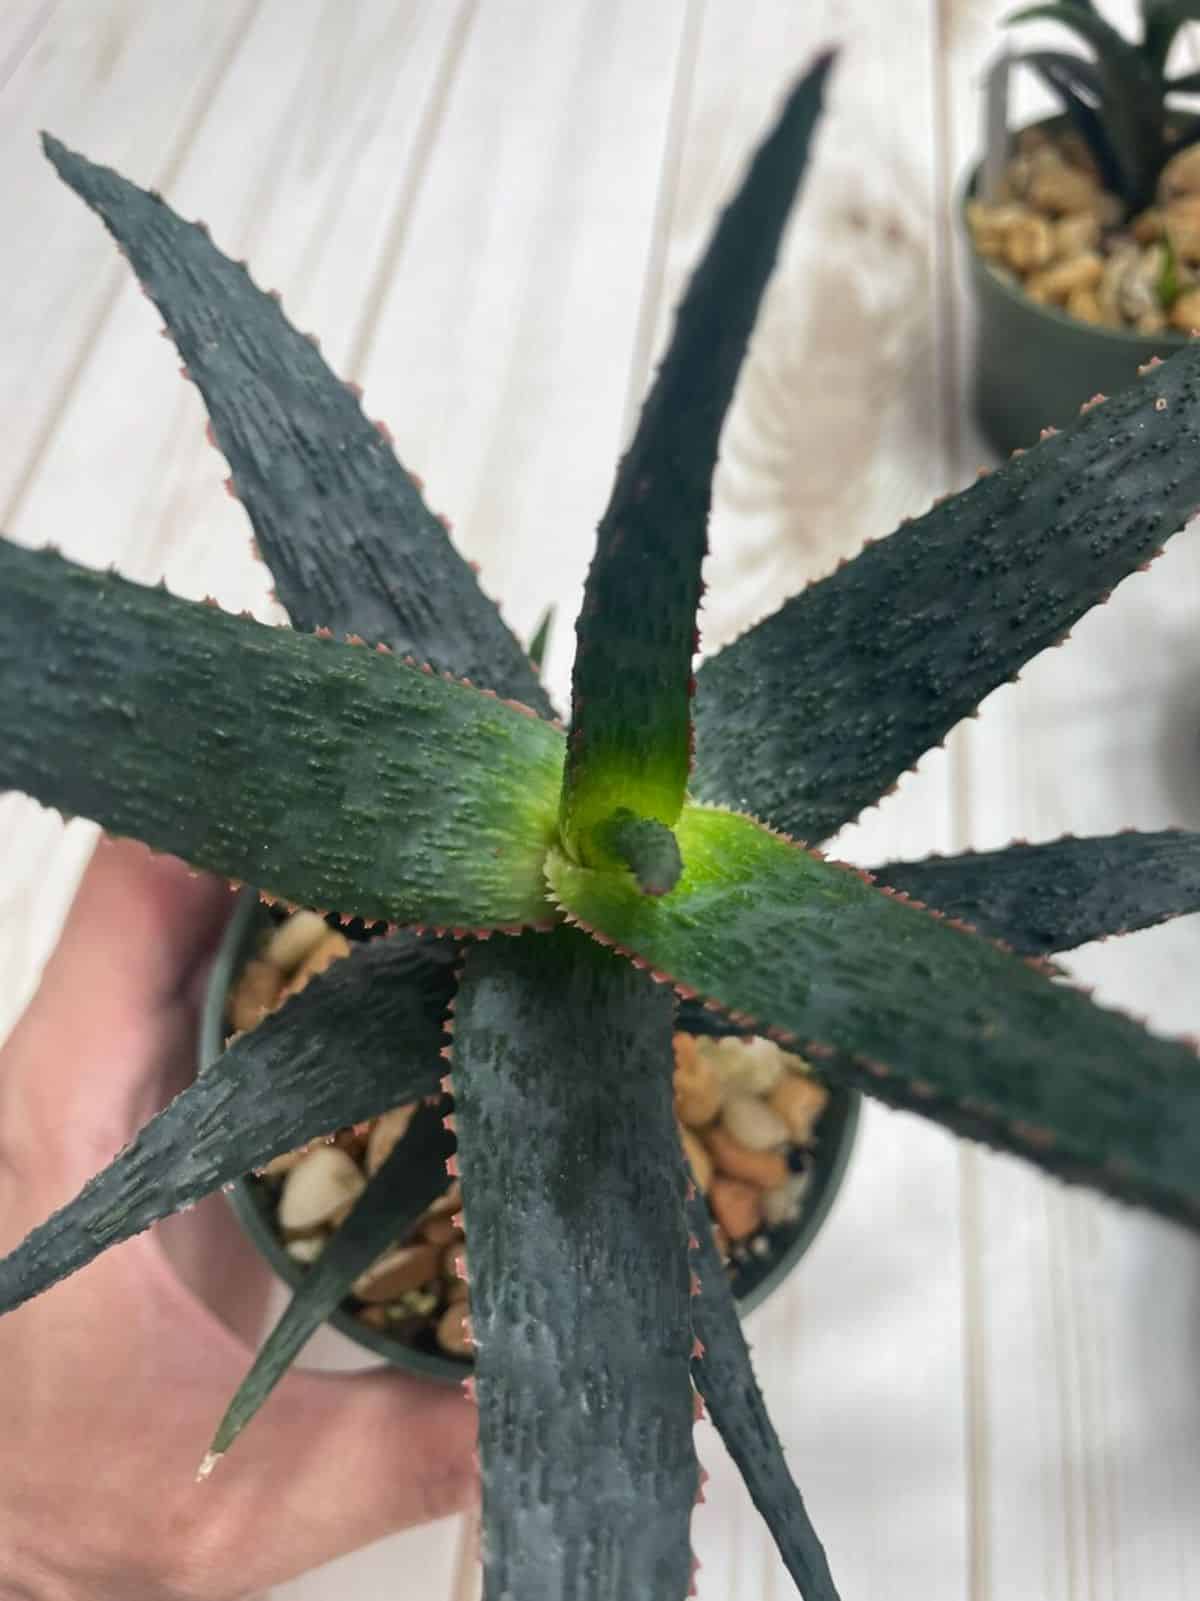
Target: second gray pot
[(1034, 365)]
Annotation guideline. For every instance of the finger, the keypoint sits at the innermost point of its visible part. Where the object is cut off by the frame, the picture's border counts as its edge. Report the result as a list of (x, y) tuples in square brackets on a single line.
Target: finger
[(110, 1033), (138, 927), (336, 1461)]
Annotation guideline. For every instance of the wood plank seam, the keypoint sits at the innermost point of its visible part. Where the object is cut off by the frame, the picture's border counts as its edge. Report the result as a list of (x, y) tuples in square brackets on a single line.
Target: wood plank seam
[(670, 170), (25, 43), (414, 179), (975, 1361), (958, 777), (1065, 1380)]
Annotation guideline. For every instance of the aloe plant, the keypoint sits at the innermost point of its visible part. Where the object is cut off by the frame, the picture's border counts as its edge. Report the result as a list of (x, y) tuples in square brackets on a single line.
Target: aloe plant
[(557, 891), (1117, 96)]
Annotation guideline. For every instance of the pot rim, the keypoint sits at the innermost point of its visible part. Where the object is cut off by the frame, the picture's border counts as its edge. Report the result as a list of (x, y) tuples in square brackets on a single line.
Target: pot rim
[(1118, 338), (243, 1195)]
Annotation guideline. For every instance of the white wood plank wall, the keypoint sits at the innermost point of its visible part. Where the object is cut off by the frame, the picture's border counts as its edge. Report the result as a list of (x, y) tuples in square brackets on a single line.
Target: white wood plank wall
[(487, 209)]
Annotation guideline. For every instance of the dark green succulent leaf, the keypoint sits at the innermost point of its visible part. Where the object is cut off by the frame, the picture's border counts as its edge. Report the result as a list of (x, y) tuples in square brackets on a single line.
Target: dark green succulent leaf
[(1085, 20), (1044, 898), (407, 1184), (573, 1197), (725, 1378), (1188, 83), (359, 1039), (1162, 20), (1131, 98), (540, 640), (915, 1010), (1157, 40), (1132, 105), (1076, 72), (342, 526), (330, 775), (814, 713), (630, 743), (1074, 80)]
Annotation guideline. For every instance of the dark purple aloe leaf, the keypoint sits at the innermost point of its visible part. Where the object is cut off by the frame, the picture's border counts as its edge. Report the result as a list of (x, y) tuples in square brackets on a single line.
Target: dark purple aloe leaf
[(630, 743), (407, 1184), (814, 714), (725, 1378), (362, 1037), (1045, 898), (573, 1197), (342, 526)]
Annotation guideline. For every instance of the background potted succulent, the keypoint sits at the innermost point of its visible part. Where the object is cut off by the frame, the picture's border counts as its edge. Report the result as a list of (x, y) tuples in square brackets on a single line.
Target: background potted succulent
[(545, 898), (1085, 228)]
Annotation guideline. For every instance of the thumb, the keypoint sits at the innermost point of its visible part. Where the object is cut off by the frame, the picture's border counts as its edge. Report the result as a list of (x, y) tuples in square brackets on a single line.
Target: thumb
[(107, 1038), (334, 1462), (138, 928)]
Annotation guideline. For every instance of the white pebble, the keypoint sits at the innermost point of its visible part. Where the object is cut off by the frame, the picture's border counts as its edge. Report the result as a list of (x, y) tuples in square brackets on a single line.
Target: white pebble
[(324, 1181), (306, 1250), (796, 1064), (386, 1133), (753, 1124), (782, 1205), (753, 1065), (292, 941)]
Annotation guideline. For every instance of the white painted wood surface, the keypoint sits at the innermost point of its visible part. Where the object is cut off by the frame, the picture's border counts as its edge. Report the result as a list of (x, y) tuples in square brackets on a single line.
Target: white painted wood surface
[(486, 209)]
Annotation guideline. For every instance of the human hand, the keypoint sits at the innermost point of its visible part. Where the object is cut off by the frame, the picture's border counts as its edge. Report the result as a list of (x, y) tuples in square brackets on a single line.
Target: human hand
[(111, 1383)]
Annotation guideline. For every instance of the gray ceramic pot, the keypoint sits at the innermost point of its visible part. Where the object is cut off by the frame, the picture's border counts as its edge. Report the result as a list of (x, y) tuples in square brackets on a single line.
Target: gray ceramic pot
[(251, 1201), (1034, 365)]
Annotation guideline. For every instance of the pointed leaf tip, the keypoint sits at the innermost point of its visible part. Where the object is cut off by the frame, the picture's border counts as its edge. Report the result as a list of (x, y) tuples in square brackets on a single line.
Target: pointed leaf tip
[(632, 684), (921, 626), (541, 639), (409, 1181), (341, 524), (725, 1379)]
